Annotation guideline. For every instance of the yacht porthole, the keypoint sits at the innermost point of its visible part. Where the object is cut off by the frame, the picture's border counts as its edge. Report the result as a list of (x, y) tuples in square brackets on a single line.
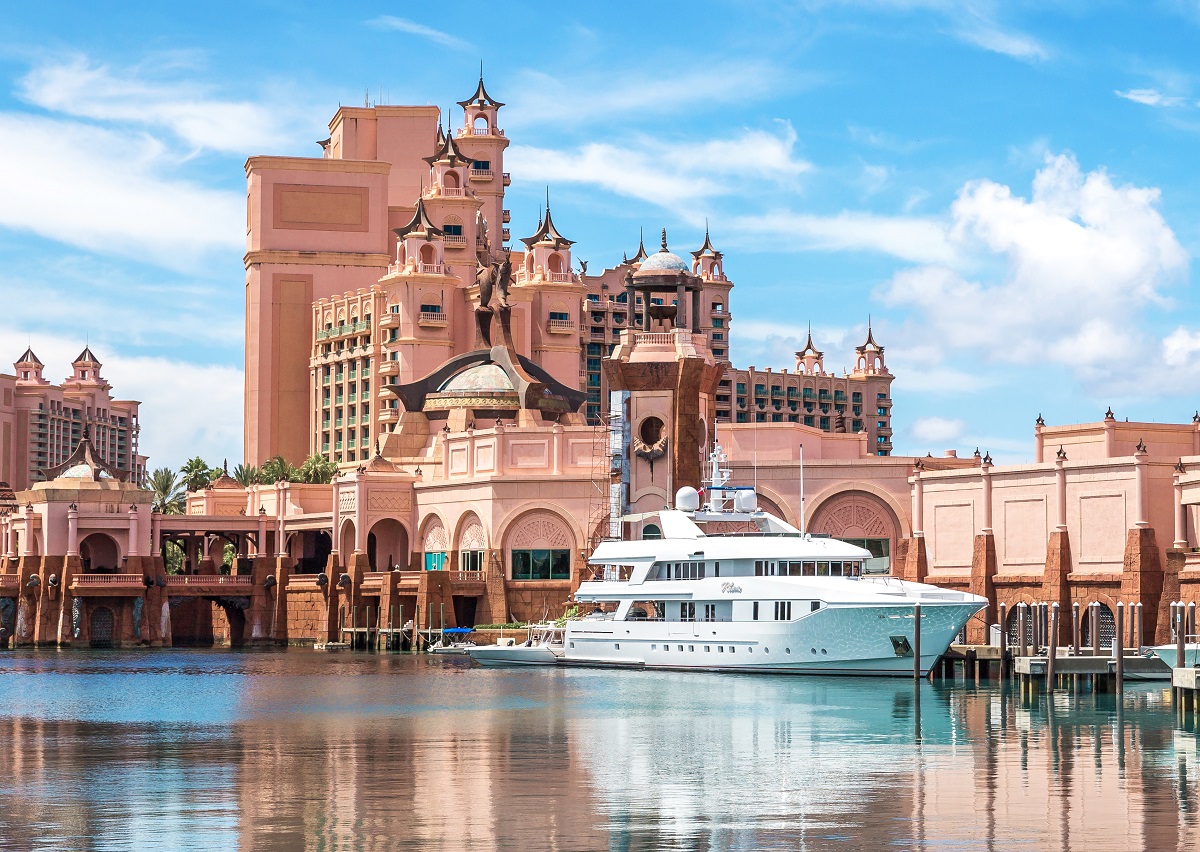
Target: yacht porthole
[(708, 649), (823, 651), (812, 650), (766, 650), (617, 645), (787, 650)]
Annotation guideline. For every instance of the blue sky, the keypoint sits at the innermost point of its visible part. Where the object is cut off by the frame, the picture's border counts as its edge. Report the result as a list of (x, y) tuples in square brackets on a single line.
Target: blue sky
[(1008, 189)]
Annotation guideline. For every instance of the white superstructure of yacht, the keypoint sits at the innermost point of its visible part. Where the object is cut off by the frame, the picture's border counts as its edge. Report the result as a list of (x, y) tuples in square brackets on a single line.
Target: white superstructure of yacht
[(770, 600)]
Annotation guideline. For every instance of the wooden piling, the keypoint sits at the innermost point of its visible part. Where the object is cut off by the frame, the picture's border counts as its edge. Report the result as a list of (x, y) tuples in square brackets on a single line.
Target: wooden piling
[(1138, 641), (1075, 628), (1022, 642), (1179, 637), (1191, 622), (1094, 614), (1052, 646), (916, 643), (1003, 642), (1119, 647)]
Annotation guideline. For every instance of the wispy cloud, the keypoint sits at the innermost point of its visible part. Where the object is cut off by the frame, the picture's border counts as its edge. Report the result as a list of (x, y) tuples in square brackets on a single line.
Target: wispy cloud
[(984, 33), (144, 96), (917, 239), (112, 192), (672, 175), (404, 25), (1155, 98)]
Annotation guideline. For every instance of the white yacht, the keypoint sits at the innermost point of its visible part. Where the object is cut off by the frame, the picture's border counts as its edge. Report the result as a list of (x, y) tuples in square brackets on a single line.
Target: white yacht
[(769, 600)]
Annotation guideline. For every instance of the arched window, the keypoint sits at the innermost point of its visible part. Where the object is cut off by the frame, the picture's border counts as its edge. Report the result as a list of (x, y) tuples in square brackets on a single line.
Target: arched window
[(651, 532), (479, 126), (450, 180), (428, 255)]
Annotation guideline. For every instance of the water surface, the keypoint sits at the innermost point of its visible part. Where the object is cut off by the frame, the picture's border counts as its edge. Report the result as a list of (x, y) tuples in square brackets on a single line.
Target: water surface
[(299, 750)]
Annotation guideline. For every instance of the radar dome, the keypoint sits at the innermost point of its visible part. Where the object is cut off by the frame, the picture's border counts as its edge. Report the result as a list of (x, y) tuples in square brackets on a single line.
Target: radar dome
[(745, 501), (687, 499)]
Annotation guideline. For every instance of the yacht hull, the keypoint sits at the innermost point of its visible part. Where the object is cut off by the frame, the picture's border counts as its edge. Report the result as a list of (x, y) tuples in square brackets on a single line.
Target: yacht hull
[(514, 655), (851, 640)]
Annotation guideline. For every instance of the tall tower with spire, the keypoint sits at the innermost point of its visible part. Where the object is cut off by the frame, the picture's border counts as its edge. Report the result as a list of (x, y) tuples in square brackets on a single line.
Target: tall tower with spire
[(482, 141)]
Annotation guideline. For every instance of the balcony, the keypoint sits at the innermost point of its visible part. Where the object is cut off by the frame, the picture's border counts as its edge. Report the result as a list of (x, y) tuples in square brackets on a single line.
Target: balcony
[(561, 326), (481, 174), (389, 320), (453, 192), (389, 368), (343, 330), (507, 179), (389, 415), (431, 268), (454, 240), (505, 216), (562, 277), (505, 234), (481, 131), (432, 319)]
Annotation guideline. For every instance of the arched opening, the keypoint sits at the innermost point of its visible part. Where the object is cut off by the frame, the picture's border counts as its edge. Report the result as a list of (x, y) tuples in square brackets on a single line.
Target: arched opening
[(99, 553), (428, 255), (479, 126), (555, 263), (101, 627), (434, 545), (347, 543), (472, 544), (651, 532), (1013, 627), (860, 518), (387, 545), (450, 180), (1108, 626), (539, 547)]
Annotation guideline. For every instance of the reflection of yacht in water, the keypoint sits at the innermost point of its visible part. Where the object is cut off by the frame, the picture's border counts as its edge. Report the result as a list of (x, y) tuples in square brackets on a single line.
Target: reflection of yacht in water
[(771, 600)]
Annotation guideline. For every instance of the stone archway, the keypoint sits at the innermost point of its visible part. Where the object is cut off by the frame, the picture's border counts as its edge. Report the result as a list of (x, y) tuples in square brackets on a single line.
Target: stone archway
[(435, 544), (387, 545), (860, 517), (100, 552)]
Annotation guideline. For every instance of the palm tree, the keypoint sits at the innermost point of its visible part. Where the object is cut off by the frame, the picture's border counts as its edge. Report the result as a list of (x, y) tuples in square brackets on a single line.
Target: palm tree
[(168, 491), (197, 474), (247, 475), (278, 469), (318, 470)]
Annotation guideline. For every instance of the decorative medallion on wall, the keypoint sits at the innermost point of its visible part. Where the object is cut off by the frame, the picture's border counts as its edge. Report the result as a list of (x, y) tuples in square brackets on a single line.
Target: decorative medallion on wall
[(540, 530), (436, 540), (854, 514), (473, 537)]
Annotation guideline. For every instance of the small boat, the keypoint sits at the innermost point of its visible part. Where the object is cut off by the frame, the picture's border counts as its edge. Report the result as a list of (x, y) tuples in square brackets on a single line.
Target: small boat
[(447, 645), (545, 646), (1169, 654)]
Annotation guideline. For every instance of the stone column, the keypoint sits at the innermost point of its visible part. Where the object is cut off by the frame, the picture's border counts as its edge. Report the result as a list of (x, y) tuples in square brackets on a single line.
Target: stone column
[(679, 310), (360, 506), (1180, 542), (918, 499), (156, 531), (3, 538), (1060, 489), (279, 499), (556, 449), (1039, 446), (986, 476), (1141, 491), (133, 530), (260, 548), (72, 530), (27, 544)]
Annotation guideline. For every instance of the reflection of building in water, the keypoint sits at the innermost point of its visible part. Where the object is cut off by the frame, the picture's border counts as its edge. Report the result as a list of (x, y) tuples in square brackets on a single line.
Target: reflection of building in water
[(600, 762)]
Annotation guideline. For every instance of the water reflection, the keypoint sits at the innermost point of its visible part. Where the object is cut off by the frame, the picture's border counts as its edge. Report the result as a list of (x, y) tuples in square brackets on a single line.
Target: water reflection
[(202, 750)]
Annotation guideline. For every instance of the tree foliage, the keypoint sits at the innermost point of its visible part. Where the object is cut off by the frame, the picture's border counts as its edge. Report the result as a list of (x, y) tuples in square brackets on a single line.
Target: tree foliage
[(278, 469), (168, 491), (197, 474), (318, 470), (247, 475)]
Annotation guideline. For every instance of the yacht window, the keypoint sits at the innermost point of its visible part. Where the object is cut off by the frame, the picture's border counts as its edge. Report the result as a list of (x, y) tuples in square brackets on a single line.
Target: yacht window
[(758, 568), (716, 569), (835, 569), (710, 612), (687, 611), (783, 610), (720, 649), (680, 647), (810, 569), (755, 611), (653, 647), (795, 569), (708, 649), (822, 569), (692, 648), (814, 606)]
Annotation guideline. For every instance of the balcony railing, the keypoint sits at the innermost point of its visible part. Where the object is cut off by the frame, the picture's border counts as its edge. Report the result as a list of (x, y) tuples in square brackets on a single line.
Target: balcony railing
[(505, 233), (431, 268), (454, 239), (507, 179), (343, 329), (561, 276), (481, 174), (107, 580), (453, 192), (561, 326), (209, 580), (432, 318), (481, 131), (505, 216), (467, 575)]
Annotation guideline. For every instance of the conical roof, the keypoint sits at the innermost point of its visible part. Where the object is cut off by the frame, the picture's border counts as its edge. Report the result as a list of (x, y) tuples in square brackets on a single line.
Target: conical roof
[(809, 347), (447, 152), (707, 249), (420, 223), (84, 463), (641, 254), (481, 97), (29, 358), (224, 480), (869, 343), (546, 232), (86, 357)]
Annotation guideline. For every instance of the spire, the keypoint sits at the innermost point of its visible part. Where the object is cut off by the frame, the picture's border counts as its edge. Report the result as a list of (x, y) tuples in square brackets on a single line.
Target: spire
[(707, 249), (480, 97), (546, 232), (447, 151), (664, 241), (870, 341), (641, 252), (420, 224), (809, 347)]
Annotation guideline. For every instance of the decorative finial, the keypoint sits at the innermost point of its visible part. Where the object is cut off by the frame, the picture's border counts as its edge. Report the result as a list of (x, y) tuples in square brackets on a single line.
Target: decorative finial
[(1141, 446), (664, 239), (225, 467), (987, 459), (918, 465), (376, 446), (418, 471), (1108, 415), (1179, 467), (262, 510), (1061, 454), (1041, 421), (1196, 417), (977, 453)]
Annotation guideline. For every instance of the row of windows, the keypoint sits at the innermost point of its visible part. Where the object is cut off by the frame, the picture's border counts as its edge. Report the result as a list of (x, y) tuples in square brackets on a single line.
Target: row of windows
[(770, 568), (541, 564)]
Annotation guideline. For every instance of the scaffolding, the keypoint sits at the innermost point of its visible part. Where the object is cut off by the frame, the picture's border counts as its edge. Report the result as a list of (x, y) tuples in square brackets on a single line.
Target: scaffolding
[(610, 472)]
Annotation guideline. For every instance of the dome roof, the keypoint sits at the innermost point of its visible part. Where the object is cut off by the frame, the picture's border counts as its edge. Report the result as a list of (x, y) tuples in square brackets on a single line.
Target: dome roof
[(83, 470), (482, 378), (663, 261)]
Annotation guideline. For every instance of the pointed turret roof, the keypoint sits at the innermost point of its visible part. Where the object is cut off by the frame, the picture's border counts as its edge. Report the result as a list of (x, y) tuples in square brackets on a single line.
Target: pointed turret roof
[(224, 480), (641, 252), (420, 222), (86, 357), (869, 343), (447, 151), (84, 463), (809, 347), (481, 97), (707, 249), (441, 138), (29, 358), (546, 232)]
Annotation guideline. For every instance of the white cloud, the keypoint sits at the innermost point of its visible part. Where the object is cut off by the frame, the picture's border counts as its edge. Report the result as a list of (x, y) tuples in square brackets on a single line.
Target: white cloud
[(109, 191), (1067, 272), (141, 97), (1180, 347), (921, 240), (1020, 46), (1154, 98), (937, 430), (671, 175), (403, 25)]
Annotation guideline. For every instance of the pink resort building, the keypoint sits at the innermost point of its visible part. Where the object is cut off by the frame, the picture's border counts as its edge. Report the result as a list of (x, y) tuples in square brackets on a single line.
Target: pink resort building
[(495, 409)]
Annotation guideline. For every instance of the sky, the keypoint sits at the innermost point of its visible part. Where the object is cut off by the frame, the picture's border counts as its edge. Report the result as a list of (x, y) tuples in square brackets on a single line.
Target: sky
[(1007, 191)]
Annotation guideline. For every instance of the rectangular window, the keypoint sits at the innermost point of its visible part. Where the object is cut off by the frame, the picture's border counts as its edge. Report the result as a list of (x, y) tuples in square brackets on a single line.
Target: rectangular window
[(814, 606), (431, 309), (687, 611), (541, 564), (435, 561), (754, 611), (783, 610), (710, 612), (452, 230), (480, 165)]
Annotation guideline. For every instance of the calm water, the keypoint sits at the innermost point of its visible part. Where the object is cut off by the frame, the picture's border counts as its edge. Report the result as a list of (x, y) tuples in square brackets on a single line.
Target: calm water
[(299, 750)]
